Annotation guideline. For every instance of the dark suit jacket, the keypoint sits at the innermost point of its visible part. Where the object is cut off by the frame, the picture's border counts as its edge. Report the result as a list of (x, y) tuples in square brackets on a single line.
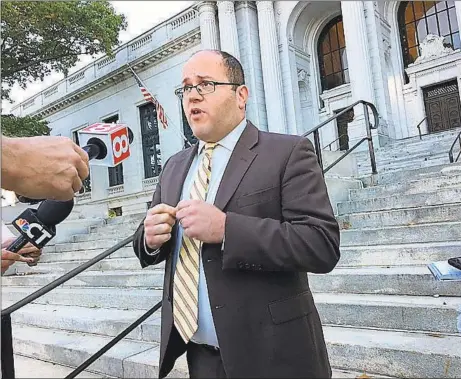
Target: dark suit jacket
[(279, 225)]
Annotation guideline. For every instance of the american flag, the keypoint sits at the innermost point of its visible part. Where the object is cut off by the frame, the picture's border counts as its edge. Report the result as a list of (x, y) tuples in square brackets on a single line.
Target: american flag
[(148, 97)]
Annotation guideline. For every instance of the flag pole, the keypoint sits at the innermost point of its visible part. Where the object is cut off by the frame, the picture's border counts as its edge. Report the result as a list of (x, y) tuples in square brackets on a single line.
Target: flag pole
[(178, 131)]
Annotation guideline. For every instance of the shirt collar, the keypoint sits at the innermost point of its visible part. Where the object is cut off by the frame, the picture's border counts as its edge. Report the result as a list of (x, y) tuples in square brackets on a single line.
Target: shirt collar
[(230, 140)]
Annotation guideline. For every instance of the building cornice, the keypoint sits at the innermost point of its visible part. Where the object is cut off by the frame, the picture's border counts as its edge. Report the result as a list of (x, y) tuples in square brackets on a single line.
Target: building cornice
[(121, 73)]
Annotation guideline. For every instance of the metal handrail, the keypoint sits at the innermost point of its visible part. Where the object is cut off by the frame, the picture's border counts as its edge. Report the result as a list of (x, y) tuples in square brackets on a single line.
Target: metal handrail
[(7, 353), (450, 153), (419, 127), (368, 126), (332, 142)]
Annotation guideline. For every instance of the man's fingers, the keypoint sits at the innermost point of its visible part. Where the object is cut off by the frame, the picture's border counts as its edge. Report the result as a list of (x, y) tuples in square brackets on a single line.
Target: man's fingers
[(162, 208), (83, 154), (9, 256), (77, 184), (82, 169)]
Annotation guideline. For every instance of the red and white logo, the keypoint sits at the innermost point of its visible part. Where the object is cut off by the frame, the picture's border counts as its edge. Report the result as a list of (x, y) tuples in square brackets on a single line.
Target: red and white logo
[(101, 128), (120, 145)]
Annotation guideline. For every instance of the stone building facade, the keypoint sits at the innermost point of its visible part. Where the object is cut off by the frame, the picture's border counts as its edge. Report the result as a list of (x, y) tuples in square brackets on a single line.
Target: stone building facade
[(304, 61)]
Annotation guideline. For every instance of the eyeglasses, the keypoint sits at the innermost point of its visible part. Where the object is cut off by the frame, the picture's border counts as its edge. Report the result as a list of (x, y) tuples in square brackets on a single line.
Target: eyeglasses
[(202, 88)]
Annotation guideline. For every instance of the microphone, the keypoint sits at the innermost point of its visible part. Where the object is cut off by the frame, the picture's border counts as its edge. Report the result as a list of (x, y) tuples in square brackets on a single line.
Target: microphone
[(38, 226), (106, 145)]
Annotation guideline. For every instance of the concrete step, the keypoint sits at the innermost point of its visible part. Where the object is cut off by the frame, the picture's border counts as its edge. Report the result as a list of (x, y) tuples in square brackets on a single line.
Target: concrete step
[(121, 232), (438, 232), (410, 164), (78, 255), (418, 313), (407, 188), (73, 246), (117, 279), (404, 280), (398, 254), (383, 254), (408, 216), (27, 367), (130, 226), (123, 298), (125, 360), (107, 264), (132, 218), (400, 354), (99, 321), (439, 197), (406, 175)]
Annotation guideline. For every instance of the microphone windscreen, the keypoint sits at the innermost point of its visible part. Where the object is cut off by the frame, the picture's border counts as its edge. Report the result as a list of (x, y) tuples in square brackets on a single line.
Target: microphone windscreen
[(53, 212)]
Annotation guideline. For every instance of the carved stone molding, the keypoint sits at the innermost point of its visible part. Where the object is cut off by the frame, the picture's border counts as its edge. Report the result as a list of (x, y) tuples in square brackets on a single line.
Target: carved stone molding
[(303, 75), (432, 47)]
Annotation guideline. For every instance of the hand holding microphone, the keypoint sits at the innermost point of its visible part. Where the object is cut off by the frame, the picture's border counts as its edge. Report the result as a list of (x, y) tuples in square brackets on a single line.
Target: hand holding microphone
[(43, 167), (105, 144), (38, 227)]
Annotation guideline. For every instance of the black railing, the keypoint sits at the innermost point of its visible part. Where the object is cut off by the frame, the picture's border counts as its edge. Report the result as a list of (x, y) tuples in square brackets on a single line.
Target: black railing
[(7, 353), (419, 127), (368, 126), (450, 153)]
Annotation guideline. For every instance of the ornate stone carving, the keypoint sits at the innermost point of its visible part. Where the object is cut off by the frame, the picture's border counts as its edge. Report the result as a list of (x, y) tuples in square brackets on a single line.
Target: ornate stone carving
[(432, 47), (303, 75)]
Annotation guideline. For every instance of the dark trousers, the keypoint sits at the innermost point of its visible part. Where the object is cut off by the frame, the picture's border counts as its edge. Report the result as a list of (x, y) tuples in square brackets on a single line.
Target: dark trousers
[(204, 362)]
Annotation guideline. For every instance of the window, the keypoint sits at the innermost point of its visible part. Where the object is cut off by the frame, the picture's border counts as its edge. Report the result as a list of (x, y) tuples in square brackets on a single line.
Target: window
[(187, 129), (417, 19), (87, 182), (332, 56), (115, 173), (150, 141)]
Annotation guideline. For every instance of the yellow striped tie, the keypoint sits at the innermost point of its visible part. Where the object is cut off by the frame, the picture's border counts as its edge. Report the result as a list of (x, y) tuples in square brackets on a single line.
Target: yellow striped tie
[(185, 290)]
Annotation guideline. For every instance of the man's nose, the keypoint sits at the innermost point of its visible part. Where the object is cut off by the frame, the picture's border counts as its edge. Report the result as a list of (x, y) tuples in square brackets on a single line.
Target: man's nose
[(194, 95)]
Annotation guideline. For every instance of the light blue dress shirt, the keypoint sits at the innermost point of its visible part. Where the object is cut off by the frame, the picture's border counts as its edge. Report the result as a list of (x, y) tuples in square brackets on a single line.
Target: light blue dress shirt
[(206, 333)]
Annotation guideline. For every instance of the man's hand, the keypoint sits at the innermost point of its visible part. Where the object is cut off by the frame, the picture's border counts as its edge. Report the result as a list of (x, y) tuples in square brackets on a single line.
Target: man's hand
[(28, 251), (158, 224), (201, 220), (44, 167), (8, 258)]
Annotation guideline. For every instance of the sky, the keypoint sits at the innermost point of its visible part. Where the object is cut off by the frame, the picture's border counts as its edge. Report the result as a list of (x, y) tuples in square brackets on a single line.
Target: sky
[(140, 15)]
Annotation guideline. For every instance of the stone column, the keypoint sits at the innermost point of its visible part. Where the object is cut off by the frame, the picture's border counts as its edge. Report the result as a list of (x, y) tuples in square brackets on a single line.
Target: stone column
[(359, 63), (357, 48), (208, 25), (272, 73), (228, 28), (458, 11)]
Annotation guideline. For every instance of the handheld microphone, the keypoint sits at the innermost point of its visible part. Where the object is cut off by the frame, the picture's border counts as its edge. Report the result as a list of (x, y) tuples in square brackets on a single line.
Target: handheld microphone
[(38, 226), (106, 145)]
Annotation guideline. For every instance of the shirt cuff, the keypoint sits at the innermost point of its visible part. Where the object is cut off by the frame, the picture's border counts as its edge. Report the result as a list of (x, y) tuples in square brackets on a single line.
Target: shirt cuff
[(148, 250)]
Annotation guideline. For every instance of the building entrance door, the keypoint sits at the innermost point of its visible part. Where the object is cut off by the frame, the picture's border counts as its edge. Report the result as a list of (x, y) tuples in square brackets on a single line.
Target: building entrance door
[(443, 106)]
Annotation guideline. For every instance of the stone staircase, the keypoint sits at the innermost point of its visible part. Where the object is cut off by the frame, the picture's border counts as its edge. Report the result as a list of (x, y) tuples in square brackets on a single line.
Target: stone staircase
[(383, 312)]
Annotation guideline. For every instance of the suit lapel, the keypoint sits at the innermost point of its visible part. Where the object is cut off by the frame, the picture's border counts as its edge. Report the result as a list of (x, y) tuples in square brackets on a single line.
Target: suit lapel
[(178, 175), (239, 162)]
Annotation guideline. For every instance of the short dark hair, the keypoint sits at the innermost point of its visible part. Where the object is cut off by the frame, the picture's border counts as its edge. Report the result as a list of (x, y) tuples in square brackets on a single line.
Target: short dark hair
[(234, 68)]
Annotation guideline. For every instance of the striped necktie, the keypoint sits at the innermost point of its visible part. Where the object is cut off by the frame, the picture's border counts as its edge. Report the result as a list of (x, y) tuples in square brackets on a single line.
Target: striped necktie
[(185, 290)]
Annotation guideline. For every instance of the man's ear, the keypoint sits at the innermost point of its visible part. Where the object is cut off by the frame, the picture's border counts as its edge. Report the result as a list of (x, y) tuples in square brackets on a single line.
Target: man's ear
[(242, 96)]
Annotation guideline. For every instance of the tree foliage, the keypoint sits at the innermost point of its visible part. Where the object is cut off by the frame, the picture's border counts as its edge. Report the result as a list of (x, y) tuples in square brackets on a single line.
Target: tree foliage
[(39, 37), (28, 126)]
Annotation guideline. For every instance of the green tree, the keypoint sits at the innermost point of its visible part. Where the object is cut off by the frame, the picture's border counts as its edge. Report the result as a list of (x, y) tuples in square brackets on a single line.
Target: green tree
[(39, 37), (13, 126)]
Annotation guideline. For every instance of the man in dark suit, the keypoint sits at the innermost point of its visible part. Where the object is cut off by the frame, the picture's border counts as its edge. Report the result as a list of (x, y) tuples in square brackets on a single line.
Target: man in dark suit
[(239, 219)]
